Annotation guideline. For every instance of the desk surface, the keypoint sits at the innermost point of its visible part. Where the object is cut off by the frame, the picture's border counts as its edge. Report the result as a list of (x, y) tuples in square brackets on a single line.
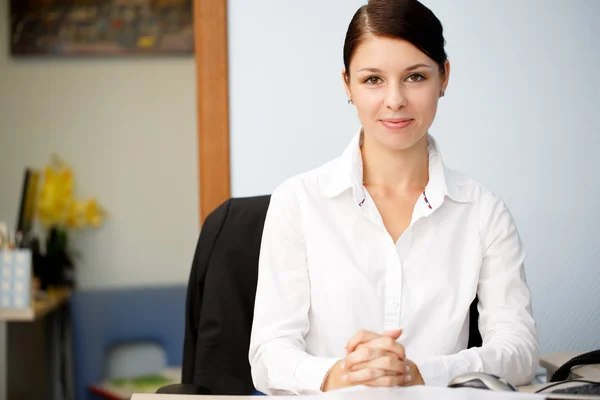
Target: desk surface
[(550, 361), (408, 393), (54, 299)]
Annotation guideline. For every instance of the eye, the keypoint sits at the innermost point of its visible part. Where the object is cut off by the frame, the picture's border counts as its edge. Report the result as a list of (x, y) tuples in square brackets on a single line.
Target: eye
[(372, 80), (415, 78)]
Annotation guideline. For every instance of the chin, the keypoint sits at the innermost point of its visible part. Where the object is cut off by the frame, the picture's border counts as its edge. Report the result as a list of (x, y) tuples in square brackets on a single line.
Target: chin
[(399, 140)]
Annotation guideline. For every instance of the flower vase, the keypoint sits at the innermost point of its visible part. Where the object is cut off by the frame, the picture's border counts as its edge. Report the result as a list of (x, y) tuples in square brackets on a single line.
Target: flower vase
[(58, 264)]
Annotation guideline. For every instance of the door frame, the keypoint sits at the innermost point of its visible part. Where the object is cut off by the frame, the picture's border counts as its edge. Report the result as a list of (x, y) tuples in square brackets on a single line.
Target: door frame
[(210, 46)]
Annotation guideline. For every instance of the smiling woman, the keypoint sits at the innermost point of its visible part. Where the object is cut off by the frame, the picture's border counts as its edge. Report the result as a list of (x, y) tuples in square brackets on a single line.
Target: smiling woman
[(369, 264)]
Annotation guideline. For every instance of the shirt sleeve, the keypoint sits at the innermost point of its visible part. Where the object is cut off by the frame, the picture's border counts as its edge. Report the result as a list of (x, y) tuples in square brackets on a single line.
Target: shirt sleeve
[(278, 358), (510, 344)]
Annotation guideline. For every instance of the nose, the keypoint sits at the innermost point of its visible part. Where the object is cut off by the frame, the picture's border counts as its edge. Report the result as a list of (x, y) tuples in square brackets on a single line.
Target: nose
[(395, 98)]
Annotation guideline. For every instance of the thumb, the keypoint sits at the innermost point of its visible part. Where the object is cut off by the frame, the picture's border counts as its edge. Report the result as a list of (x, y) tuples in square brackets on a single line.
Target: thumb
[(394, 333)]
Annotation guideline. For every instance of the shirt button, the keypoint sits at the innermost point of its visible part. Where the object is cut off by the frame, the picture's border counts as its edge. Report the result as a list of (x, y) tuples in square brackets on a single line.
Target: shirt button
[(395, 304)]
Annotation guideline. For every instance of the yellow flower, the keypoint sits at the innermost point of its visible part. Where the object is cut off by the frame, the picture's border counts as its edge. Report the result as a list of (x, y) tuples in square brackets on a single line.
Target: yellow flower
[(57, 204), (93, 214)]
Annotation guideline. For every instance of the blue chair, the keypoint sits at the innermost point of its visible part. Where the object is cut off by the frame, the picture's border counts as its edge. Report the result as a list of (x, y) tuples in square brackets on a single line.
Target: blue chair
[(102, 319)]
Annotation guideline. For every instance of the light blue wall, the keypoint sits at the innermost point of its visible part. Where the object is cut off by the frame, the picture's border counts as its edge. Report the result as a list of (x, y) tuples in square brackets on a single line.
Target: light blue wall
[(520, 115)]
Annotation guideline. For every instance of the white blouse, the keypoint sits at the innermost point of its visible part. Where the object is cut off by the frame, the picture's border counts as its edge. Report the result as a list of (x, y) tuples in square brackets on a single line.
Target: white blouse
[(328, 268)]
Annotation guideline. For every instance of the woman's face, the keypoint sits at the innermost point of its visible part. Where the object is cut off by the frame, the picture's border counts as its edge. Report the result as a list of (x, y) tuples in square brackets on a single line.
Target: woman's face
[(395, 88)]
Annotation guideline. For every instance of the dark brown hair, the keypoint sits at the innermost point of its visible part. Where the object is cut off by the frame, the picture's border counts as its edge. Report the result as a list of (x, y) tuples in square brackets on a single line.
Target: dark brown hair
[(402, 19)]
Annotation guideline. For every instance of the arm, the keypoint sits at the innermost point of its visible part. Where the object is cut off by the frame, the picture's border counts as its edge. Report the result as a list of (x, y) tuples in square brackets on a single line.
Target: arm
[(278, 358), (510, 346)]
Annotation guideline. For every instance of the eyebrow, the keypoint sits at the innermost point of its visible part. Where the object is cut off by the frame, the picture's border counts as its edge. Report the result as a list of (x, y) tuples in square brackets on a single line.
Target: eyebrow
[(411, 68)]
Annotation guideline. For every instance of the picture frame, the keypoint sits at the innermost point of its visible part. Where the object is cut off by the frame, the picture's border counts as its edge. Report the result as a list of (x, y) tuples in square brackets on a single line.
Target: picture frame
[(76, 28)]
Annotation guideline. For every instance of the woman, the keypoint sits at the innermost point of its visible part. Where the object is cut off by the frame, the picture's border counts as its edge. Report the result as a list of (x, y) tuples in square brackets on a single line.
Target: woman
[(369, 263)]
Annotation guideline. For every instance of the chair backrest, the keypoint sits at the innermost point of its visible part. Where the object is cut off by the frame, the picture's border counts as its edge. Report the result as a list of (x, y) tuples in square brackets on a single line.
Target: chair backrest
[(220, 302), (105, 318), (220, 299)]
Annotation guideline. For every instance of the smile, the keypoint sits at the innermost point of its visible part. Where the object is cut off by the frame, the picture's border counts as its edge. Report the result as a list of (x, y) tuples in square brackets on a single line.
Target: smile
[(396, 123)]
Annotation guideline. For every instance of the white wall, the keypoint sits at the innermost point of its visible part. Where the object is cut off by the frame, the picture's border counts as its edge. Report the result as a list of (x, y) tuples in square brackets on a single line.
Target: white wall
[(128, 128), (520, 115)]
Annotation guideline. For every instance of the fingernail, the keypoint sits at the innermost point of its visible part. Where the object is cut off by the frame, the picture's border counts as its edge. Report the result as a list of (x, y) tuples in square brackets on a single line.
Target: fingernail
[(343, 365), (407, 368), (345, 377), (408, 378)]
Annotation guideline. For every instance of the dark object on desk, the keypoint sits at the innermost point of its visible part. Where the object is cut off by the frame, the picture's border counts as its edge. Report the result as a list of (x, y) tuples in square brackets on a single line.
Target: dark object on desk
[(589, 391), (57, 265), (181, 388), (562, 373), (480, 380), (27, 206), (220, 299)]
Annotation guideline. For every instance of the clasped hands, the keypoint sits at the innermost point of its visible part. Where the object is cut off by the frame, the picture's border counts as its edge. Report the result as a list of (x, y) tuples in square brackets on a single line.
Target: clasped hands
[(373, 359)]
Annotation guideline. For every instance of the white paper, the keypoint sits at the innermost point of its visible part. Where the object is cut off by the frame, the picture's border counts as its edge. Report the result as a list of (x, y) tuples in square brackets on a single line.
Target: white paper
[(423, 393)]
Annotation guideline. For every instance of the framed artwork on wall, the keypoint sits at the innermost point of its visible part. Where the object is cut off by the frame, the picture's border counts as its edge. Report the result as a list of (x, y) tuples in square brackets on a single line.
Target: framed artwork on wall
[(101, 27)]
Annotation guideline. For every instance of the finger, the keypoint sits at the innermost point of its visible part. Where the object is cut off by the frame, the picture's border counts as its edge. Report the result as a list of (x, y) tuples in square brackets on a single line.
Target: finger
[(373, 349), (388, 363), (388, 344), (358, 338), (363, 354), (389, 380), (395, 333), (364, 336), (364, 375)]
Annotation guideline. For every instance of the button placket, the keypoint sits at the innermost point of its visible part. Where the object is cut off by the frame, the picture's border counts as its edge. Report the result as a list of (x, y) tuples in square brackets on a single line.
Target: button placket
[(393, 299)]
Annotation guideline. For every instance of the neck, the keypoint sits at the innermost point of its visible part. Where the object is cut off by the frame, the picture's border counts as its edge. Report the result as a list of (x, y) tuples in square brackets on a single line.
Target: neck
[(403, 172)]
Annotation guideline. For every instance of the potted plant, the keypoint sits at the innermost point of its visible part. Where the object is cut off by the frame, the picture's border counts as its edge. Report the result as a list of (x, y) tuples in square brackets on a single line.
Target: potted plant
[(60, 212)]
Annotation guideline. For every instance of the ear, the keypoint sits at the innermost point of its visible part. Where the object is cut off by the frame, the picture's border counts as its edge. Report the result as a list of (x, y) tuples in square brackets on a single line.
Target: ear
[(446, 76), (346, 80)]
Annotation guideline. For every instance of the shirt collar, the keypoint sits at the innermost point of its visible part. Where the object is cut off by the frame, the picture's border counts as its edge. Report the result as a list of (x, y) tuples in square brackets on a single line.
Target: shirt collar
[(347, 173)]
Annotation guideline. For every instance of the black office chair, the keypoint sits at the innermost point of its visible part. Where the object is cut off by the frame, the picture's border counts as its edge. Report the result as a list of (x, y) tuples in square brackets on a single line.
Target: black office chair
[(220, 301)]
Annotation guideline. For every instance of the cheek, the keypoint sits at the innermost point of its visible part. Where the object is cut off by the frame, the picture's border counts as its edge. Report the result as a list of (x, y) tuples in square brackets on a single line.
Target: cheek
[(425, 103), (368, 102), (367, 110)]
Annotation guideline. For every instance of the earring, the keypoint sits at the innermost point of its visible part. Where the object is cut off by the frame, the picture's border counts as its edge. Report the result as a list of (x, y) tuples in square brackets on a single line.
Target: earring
[(350, 101), (442, 93)]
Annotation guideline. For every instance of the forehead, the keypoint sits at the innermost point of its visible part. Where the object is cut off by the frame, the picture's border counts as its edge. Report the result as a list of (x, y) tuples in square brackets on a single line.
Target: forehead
[(387, 53)]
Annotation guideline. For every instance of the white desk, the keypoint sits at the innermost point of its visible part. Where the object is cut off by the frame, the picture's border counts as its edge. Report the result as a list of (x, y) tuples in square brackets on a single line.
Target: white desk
[(550, 361), (409, 393)]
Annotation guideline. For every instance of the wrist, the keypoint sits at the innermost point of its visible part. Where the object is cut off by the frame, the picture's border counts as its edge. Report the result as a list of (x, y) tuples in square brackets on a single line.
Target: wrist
[(417, 378), (333, 378)]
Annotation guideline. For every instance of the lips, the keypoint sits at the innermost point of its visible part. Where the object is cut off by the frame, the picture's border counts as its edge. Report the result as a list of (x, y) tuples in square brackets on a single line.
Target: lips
[(397, 123)]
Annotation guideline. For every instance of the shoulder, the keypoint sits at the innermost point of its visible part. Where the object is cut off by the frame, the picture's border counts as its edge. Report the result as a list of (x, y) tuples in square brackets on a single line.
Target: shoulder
[(309, 184), (473, 191), (295, 198), (494, 217)]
